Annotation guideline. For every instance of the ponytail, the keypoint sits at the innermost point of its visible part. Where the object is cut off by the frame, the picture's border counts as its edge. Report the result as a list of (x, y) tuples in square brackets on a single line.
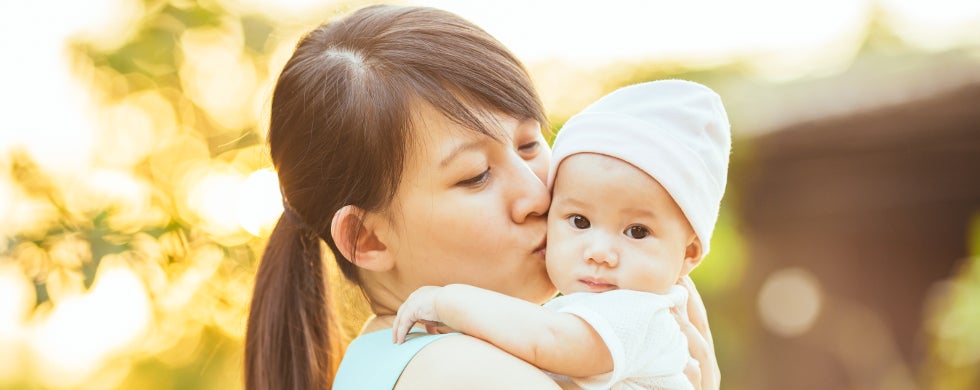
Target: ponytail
[(291, 341)]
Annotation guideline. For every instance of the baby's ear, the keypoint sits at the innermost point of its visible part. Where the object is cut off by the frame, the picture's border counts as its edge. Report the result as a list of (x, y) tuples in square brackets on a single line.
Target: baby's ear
[(356, 235), (692, 255)]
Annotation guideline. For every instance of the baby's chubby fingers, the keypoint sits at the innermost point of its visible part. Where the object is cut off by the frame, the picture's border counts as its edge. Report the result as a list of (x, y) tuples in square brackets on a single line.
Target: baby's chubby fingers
[(419, 306), (402, 324)]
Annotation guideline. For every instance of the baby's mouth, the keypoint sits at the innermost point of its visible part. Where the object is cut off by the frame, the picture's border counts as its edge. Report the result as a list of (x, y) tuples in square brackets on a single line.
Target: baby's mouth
[(598, 284)]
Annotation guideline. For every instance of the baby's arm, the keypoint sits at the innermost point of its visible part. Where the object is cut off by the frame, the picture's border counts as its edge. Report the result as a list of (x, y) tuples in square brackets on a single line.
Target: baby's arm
[(557, 342)]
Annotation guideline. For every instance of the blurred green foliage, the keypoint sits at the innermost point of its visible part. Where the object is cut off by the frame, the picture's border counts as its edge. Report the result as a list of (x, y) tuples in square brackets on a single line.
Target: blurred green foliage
[(953, 357), (197, 274)]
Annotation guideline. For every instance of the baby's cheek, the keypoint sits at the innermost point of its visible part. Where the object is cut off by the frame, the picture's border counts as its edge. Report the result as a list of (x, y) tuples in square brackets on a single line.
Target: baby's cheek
[(660, 276)]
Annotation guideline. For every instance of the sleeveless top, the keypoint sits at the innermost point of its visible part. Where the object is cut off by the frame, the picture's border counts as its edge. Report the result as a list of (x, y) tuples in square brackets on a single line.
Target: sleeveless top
[(374, 362)]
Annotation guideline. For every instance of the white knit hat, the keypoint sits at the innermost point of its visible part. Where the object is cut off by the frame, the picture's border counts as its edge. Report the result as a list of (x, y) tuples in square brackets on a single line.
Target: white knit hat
[(676, 131)]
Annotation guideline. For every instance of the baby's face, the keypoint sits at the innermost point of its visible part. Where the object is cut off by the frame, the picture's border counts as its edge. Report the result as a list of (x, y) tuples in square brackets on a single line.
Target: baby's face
[(612, 226)]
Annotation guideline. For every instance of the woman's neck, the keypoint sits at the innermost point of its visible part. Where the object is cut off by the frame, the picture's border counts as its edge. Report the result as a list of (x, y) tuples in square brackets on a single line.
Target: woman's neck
[(378, 322), (384, 303)]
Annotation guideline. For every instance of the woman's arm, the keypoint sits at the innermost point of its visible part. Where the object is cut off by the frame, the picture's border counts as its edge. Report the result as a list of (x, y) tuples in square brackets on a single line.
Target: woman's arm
[(705, 373), (557, 342), (462, 362)]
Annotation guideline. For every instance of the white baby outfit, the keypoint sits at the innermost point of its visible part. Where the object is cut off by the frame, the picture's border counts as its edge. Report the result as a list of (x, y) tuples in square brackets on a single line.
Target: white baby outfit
[(648, 349)]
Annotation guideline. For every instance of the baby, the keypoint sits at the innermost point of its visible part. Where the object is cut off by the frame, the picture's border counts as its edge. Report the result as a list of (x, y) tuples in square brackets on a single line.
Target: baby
[(637, 179)]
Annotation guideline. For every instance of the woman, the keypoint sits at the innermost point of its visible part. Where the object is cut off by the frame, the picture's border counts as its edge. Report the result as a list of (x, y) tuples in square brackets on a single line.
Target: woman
[(408, 140)]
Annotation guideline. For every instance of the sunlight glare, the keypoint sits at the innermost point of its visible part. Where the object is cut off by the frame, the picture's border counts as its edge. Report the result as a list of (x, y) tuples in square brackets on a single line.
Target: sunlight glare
[(82, 331), (48, 112), (937, 24), (6, 200), (133, 127), (213, 199), (17, 300), (259, 202), (105, 24), (218, 76), (292, 9), (590, 34)]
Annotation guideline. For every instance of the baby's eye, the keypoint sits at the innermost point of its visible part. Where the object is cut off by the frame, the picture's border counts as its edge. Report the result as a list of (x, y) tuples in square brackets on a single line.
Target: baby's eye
[(579, 222), (636, 232)]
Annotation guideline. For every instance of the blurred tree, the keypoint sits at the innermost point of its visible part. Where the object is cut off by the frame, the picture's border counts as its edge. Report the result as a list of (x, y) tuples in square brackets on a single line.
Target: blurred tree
[(194, 267)]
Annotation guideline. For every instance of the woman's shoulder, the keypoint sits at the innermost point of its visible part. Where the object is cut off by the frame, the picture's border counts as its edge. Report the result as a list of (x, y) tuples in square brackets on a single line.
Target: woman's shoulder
[(468, 362), (373, 361), (424, 361)]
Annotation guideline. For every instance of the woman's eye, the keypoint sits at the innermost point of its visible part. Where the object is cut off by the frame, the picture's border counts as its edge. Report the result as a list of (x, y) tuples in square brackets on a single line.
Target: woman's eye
[(529, 147), (579, 222), (476, 180), (637, 232)]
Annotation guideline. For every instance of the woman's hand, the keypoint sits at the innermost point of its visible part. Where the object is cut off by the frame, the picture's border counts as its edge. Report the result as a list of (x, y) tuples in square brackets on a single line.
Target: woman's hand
[(702, 370)]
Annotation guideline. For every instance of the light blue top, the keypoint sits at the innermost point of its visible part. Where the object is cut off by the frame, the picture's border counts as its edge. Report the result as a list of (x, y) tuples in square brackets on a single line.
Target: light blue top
[(372, 361)]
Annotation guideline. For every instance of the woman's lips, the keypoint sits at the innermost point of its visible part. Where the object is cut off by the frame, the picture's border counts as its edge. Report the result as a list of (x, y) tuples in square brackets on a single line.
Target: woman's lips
[(541, 249), (598, 284)]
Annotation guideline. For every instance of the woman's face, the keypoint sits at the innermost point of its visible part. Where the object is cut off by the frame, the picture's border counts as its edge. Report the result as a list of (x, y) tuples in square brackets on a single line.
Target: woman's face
[(471, 209)]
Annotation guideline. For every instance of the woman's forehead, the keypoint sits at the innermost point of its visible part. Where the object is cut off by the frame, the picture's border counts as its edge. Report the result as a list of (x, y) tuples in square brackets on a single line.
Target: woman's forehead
[(438, 135)]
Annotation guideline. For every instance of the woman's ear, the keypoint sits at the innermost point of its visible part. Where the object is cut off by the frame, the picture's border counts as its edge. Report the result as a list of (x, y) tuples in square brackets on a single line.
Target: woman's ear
[(692, 255), (355, 235)]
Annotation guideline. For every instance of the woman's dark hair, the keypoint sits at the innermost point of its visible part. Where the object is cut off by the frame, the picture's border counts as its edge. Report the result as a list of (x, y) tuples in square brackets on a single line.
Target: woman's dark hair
[(339, 134)]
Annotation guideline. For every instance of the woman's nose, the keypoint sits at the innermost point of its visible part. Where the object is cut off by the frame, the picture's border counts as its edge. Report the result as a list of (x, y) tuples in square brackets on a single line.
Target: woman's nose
[(531, 197), (600, 250)]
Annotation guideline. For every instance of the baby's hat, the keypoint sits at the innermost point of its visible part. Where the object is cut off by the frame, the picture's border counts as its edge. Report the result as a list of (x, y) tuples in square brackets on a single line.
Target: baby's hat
[(676, 131)]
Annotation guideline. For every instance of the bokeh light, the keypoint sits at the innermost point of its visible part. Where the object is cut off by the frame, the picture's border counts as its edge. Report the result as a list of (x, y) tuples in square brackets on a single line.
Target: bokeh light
[(82, 331), (935, 25), (217, 76), (212, 198), (16, 303), (790, 301), (260, 202)]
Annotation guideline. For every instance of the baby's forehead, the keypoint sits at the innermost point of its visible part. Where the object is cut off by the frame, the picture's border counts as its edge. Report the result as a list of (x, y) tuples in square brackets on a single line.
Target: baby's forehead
[(600, 178), (583, 164)]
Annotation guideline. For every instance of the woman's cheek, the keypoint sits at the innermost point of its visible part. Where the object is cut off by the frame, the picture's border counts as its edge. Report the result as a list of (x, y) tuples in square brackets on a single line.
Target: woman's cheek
[(468, 218), (540, 166)]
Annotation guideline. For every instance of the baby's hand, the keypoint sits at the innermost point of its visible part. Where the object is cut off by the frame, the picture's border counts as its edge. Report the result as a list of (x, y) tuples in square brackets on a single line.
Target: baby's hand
[(419, 307)]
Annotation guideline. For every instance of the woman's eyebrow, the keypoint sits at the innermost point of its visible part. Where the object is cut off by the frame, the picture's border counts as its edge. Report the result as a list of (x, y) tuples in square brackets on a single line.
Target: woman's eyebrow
[(460, 149)]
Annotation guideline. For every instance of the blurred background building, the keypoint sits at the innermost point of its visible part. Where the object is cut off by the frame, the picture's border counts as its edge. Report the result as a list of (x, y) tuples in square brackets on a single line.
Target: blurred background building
[(136, 190)]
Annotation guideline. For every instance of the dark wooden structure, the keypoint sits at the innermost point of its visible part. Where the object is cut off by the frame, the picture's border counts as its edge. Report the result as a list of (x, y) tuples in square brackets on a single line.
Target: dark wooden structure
[(876, 205)]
